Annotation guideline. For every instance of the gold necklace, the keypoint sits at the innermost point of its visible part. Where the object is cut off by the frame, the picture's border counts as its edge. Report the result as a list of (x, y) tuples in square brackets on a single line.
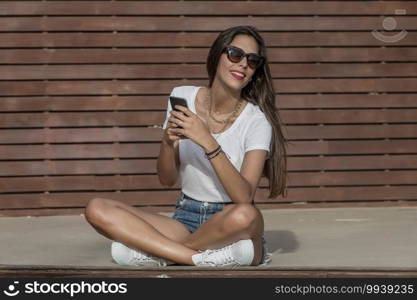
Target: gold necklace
[(208, 107)]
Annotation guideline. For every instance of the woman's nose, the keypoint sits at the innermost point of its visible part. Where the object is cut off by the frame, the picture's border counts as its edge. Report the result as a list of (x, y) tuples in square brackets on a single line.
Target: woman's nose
[(244, 62)]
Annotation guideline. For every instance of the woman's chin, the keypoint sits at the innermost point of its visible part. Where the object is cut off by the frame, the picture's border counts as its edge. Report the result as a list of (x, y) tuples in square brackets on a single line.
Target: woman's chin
[(234, 85)]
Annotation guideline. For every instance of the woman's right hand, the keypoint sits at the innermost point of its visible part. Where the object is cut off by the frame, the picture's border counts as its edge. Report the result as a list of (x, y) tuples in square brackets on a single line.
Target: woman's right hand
[(168, 137)]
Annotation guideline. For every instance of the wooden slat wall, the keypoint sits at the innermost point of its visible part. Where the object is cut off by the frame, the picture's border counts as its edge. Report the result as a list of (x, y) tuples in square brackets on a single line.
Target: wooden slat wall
[(84, 87)]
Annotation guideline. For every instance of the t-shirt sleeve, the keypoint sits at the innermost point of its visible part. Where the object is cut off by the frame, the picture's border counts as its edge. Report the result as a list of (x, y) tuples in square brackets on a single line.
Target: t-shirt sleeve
[(258, 135), (169, 108)]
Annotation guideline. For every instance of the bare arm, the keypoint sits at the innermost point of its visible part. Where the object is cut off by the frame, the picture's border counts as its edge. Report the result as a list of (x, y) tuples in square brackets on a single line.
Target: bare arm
[(240, 187), (168, 160)]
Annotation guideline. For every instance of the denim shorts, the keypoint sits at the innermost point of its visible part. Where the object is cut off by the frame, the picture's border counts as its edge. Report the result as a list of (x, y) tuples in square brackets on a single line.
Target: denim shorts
[(193, 213)]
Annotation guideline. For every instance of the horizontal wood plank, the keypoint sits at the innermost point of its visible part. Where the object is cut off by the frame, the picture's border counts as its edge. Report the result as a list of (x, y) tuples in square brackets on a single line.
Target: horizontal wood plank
[(143, 118), (112, 149), (211, 8), (25, 271), (55, 211), (141, 134), (168, 197), (193, 39), (159, 103), (199, 23), (129, 87), (350, 131), (166, 71), (198, 55), (370, 100), (146, 166), (151, 182)]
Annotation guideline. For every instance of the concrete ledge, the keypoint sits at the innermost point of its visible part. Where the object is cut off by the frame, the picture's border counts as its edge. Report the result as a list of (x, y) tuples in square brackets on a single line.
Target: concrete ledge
[(322, 241)]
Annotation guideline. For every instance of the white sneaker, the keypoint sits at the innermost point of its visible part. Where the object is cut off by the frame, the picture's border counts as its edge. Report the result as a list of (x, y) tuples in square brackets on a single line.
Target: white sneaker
[(126, 256), (237, 254)]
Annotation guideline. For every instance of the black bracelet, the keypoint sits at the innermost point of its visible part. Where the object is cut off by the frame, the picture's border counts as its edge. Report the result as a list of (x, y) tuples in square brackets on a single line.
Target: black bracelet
[(217, 149), (214, 154)]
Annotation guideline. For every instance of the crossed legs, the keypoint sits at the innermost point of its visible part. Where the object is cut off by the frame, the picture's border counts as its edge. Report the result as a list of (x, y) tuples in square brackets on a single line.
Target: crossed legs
[(167, 238), (235, 222)]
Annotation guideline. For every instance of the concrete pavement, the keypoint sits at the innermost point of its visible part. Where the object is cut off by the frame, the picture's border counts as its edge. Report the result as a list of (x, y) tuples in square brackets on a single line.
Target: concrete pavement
[(370, 237)]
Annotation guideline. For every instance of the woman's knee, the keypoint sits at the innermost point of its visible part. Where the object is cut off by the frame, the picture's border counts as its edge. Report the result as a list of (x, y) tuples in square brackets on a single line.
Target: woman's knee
[(96, 211), (243, 217)]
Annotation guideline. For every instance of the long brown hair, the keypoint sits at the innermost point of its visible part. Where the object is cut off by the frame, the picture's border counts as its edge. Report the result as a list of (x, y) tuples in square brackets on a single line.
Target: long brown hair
[(259, 91)]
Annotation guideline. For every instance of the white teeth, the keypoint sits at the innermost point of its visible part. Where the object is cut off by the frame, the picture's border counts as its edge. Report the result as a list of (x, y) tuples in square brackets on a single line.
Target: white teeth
[(238, 74)]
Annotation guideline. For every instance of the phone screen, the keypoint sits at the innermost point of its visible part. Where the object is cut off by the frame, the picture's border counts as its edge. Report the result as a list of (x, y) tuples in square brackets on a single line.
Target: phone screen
[(177, 101)]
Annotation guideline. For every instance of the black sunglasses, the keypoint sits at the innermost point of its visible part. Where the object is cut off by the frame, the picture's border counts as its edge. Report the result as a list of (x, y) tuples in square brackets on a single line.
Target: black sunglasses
[(235, 54)]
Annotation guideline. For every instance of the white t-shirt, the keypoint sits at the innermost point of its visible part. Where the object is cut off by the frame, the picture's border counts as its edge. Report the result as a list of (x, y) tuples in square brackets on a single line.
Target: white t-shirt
[(251, 130)]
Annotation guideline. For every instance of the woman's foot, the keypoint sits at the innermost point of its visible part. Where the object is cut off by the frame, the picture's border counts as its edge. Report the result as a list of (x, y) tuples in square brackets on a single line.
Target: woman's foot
[(126, 256), (237, 254)]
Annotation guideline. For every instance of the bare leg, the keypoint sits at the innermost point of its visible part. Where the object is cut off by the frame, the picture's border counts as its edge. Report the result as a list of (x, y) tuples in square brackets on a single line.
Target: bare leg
[(235, 222), (169, 227), (127, 227)]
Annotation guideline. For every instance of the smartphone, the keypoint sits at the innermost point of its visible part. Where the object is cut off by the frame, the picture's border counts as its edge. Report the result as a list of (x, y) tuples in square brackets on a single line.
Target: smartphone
[(177, 101)]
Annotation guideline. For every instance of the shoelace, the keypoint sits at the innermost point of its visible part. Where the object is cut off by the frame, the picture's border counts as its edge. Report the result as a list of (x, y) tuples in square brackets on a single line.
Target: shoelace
[(268, 258), (219, 257), (141, 258)]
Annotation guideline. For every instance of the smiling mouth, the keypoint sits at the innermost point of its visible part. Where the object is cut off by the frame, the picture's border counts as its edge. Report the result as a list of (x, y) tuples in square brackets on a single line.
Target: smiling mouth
[(237, 76)]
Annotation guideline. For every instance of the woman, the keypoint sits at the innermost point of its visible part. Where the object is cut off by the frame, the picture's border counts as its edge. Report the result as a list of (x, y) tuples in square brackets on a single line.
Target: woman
[(219, 147)]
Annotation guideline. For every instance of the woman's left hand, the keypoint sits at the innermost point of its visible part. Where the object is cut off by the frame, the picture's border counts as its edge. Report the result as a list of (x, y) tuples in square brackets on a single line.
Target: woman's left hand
[(193, 127)]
